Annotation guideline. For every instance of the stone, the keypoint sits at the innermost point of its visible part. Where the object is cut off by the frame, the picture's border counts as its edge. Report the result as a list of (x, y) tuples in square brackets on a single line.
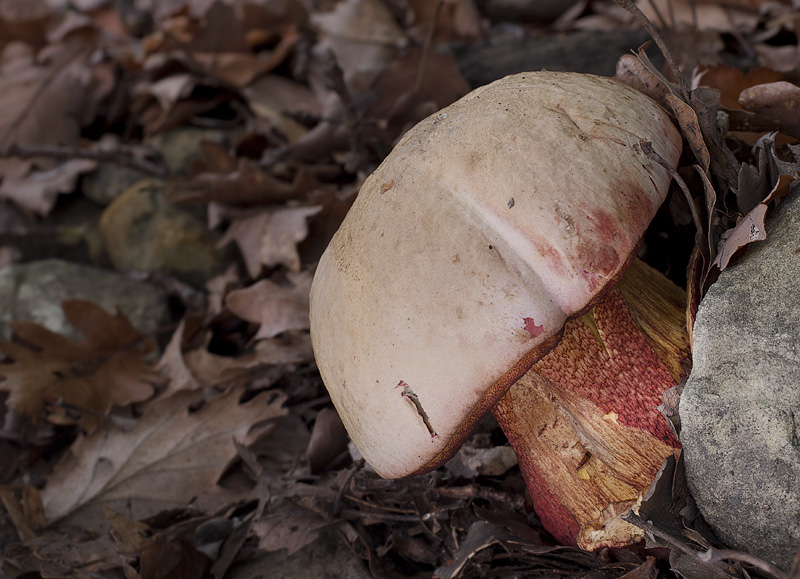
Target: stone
[(589, 51), (740, 409), (105, 183), (34, 292), (181, 146), (144, 231)]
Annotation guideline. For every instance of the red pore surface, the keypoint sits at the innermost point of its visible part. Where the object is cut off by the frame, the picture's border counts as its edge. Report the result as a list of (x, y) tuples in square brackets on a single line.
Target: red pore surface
[(621, 374)]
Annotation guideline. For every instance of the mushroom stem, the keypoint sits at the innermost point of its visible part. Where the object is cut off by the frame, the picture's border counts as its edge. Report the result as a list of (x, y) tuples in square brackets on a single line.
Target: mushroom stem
[(583, 421)]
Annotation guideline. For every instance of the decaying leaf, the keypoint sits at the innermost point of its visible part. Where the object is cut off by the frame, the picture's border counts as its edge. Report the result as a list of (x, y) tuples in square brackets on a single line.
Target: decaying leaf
[(271, 237), (180, 452), (48, 373), (159, 553), (775, 105), (44, 99), (240, 182), (289, 527), (62, 555), (38, 190), (276, 308), (752, 227), (200, 368)]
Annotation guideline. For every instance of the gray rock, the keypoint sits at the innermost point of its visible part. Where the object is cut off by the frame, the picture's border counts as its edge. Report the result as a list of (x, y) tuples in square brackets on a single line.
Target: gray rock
[(589, 51), (107, 181), (181, 146), (142, 230), (740, 410), (34, 292)]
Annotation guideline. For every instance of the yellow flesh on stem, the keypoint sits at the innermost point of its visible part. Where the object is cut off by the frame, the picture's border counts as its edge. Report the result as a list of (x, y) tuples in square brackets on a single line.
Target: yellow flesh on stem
[(583, 421)]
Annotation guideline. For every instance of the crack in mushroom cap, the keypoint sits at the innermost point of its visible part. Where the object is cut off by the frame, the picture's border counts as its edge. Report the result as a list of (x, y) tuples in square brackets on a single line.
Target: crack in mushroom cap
[(437, 285)]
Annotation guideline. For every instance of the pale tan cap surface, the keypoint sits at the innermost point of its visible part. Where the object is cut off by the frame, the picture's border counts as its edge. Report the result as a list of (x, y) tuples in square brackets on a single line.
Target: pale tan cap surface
[(438, 281)]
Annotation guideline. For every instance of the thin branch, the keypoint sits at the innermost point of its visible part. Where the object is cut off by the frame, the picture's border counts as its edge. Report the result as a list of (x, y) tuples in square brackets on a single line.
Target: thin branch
[(713, 555), (659, 40), (334, 77), (701, 236), (426, 49), (675, 542), (122, 156)]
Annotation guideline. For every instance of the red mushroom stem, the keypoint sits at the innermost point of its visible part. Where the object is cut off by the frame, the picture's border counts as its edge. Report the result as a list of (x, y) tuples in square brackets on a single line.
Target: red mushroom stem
[(584, 420)]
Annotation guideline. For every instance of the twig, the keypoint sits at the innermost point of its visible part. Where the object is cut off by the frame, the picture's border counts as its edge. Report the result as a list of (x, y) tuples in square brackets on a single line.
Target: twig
[(713, 555), (674, 542), (655, 9), (121, 156), (337, 502), (335, 80), (426, 48), (701, 236), (659, 40)]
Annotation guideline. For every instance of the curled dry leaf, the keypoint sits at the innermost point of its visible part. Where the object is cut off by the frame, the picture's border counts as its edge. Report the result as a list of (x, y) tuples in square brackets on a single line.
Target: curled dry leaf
[(38, 190), (364, 37), (179, 452), (776, 106), (48, 372), (752, 227), (246, 184), (271, 237), (276, 308), (240, 69), (44, 100), (289, 527), (732, 81), (200, 368)]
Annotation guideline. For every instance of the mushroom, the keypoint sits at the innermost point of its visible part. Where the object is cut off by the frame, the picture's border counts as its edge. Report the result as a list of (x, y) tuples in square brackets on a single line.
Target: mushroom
[(491, 226)]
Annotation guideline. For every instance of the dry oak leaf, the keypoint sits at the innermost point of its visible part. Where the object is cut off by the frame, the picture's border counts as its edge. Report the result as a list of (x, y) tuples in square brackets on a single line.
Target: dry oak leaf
[(38, 189), (270, 238), (200, 368), (160, 552), (170, 458), (46, 371), (277, 308), (45, 99)]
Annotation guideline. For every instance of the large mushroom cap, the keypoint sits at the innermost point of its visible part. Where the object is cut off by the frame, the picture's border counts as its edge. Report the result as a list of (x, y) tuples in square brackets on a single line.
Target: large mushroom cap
[(490, 224)]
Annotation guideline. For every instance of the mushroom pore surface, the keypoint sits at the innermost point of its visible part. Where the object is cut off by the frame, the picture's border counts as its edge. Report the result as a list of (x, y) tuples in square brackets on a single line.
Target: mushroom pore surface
[(490, 224)]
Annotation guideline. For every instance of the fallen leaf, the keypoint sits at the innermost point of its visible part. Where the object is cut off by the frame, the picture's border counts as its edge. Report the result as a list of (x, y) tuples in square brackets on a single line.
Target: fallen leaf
[(271, 237), (240, 69), (270, 354), (247, 184), (45, 100), (173, 367), (68, 555), (289, 527), (178, 453), (364, 37), (328, 440), (279, 101), (775, 104), (731, 81), (457, 20), (690, 128), (38, 190), (159, 555), (48, 372), (752, 226), (276, 308)]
